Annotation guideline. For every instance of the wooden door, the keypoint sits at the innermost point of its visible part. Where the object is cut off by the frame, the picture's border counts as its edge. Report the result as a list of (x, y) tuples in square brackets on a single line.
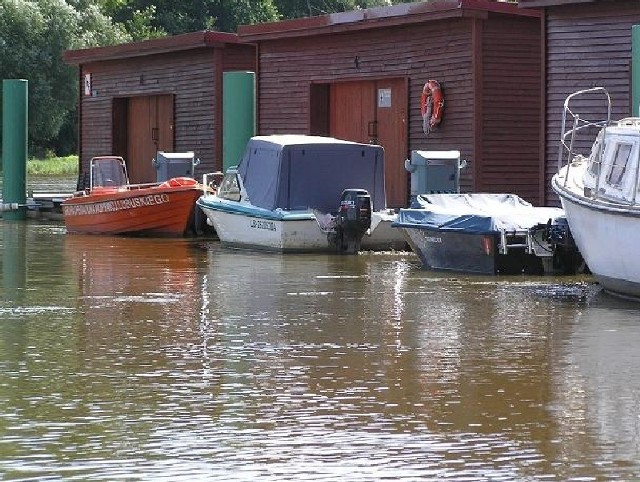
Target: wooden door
[(149, 130), (375, 111), (391, 130), (352, 110)]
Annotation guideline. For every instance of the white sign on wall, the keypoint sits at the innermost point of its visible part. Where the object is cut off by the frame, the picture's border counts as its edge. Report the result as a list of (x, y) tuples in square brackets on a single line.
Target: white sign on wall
[(384, 97), (87, 84)]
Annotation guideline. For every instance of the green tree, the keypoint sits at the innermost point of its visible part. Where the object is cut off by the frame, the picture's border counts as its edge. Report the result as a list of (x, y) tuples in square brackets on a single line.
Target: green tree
[(151, 18), (33, 36), (172, 18), (137, 19)]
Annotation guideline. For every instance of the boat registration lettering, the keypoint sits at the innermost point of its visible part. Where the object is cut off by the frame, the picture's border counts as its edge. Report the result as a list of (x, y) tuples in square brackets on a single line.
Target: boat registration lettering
[(115, 205), (433, 239), (261, 224)]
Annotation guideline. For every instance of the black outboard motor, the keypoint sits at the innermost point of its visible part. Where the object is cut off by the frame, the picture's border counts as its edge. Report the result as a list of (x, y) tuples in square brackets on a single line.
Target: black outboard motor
[(566, 256), (353, 220)]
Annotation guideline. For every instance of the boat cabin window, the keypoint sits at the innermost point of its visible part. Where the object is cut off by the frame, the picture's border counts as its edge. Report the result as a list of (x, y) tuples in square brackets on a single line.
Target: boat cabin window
[(595, 158), (108, 172), (619, 164), (229, 187)]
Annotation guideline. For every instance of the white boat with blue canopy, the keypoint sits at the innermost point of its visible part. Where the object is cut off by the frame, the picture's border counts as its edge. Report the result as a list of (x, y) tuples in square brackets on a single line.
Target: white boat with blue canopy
[(297, 193), (487, 233)]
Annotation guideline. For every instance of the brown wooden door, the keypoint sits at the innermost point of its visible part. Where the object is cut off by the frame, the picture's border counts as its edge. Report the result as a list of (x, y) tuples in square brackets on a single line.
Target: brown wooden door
[(375, 111), (149, 130), (352, 110), (391, 119)]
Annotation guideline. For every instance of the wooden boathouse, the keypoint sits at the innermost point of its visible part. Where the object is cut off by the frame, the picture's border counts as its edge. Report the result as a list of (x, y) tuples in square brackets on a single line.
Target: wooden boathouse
[(157, 95), (359, 75), (586, 43)]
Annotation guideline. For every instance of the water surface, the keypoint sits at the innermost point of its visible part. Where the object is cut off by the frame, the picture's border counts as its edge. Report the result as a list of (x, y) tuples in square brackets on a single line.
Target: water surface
[(151, 359)]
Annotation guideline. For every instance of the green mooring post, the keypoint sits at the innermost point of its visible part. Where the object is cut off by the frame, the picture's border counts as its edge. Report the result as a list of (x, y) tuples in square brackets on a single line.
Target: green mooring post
[(14, 146), (635, 70), (238, 115)]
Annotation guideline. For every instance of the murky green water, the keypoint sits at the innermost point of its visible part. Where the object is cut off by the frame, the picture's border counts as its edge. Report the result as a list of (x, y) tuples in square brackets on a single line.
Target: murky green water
[(139, 359)]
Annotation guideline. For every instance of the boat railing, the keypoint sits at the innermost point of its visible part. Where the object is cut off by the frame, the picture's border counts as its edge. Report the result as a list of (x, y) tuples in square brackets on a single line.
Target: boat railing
[(577, 124), (114, 189), (143, 185)]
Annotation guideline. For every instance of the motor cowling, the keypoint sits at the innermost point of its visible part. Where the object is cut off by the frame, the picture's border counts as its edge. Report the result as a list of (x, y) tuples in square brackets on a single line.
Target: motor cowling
[(353, 219)]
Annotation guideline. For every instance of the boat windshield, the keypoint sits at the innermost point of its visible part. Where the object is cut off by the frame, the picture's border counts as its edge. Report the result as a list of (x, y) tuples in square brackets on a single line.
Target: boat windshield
[(108, 172), (229, 187), (619, 164)]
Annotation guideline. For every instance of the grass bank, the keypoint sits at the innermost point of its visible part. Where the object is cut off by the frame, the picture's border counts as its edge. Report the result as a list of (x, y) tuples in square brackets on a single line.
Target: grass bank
[(53, 167)]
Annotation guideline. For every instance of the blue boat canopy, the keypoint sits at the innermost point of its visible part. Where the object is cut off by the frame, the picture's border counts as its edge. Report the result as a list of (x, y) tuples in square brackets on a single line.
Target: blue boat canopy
[(293, 172), (474, 213)]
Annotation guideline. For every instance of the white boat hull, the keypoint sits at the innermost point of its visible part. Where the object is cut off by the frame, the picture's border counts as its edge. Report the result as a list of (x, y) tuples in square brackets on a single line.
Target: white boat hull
[(303, 234), (607, 237), (249, 232), (382, 236), (599, 189)]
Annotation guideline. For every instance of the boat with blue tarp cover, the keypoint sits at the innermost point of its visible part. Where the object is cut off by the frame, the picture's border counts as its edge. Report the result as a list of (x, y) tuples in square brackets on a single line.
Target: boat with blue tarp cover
[(297, 193), (488, 233)]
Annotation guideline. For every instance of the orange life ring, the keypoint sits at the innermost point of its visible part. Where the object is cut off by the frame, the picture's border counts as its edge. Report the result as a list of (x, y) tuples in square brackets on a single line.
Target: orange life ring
[(431, 105), (179, 182)]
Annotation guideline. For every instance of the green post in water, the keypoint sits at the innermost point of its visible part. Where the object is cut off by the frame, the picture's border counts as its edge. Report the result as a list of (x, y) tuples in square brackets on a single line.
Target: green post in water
[(14, 145), (238, 115), (635, 71)]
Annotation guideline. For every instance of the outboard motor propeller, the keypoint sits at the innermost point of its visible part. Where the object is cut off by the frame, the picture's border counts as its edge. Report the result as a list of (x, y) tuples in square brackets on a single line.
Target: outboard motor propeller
[(353, 220)]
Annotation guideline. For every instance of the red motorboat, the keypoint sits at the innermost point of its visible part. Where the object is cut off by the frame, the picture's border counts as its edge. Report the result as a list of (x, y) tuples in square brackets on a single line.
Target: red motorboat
[(113, 206)]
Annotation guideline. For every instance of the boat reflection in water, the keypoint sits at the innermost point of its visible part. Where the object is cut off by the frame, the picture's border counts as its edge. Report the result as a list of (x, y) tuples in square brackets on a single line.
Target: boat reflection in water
[(122, 278), (598, 392)]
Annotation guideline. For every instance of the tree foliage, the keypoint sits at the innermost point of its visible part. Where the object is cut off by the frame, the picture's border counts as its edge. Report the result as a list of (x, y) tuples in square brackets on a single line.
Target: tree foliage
[(172, 18), (33, 36), (35, 33)]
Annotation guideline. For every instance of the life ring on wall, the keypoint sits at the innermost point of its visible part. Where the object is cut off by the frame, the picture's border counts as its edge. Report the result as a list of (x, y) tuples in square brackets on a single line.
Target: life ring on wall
[(431, 105), (179, 182)]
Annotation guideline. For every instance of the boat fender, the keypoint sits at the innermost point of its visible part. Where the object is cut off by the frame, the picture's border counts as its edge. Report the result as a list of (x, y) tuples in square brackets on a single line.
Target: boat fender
[(431, 105), (179, 182)]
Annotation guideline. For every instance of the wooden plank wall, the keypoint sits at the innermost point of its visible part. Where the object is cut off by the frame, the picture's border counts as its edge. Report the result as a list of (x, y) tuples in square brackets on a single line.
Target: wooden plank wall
[(239, 57), (511, 107), (437, 50), (509, 116), (587, 45), (190, 75)]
